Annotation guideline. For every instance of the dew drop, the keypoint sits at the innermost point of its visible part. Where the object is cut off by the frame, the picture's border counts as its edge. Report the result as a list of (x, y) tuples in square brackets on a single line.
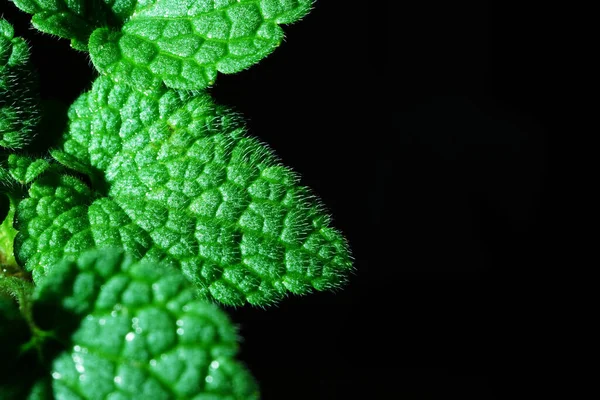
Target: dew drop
[(153, 363), (135, 324), (208, 379), (116, 310), (56, 375), (214, 365), (82, 377), (179, 322), (130, 336), (180, 331), (77, 348), (118, 380), (102, 321), (77, 359)]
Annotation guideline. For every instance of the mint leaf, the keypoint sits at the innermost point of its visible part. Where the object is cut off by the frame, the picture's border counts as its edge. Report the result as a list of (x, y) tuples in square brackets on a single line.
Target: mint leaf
[(185, 43), (19, 112), (25, 169), (182, 184), (140, 334), (75, 19)]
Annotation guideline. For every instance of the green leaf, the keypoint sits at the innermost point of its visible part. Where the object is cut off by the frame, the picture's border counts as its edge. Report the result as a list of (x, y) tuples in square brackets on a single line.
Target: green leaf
[(185, 185), (19, 112), (25, 169), (8, 263), (75, 19), (183, 43), (140, 334)]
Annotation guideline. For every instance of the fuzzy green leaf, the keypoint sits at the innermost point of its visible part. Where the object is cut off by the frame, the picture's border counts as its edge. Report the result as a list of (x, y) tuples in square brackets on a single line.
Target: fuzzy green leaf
[(75, 19), (140, 334), (7, 236), (19, 113), (25, 169), (184, 43), (185, 185)]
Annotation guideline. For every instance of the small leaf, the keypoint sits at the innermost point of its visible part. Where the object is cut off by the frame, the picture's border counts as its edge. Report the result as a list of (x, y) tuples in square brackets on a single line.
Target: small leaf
[(183, 185), (25, 169), (19, 113), (185, 43), (139, 334), (71, 162), (51, 221), (68, 160), (75, 19), (7, 236)]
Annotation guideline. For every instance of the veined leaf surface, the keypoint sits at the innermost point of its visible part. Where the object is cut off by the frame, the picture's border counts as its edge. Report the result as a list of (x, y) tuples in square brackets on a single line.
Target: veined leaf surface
[(176, 179), (76, 19), (139, 333), (184, 43)]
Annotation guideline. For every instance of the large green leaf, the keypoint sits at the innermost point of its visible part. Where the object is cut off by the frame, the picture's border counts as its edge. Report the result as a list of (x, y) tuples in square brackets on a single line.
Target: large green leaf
[(183, 43), (176, 179), (138, 333), (19, 112)]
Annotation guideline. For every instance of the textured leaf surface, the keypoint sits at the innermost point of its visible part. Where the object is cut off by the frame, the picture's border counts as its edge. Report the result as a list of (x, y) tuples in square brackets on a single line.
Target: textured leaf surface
[(185, 42), (184, 185), (140, 334), (25, 169), (75, 19), (7, 237), (19, 112)]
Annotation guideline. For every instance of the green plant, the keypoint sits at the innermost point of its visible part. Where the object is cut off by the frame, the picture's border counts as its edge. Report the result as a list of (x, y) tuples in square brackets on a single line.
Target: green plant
[(120, 242)]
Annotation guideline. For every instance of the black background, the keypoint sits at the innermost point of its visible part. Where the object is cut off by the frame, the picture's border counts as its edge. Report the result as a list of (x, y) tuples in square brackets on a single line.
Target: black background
[(428, 131)]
